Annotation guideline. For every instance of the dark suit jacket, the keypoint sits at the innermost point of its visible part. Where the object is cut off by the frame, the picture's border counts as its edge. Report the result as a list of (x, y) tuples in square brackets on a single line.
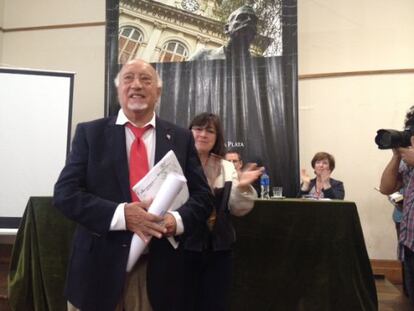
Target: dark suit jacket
[(93, 182), (336, 191)]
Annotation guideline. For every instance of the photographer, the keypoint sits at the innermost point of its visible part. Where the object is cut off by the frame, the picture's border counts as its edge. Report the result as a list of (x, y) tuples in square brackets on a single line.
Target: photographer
[(399, 173)]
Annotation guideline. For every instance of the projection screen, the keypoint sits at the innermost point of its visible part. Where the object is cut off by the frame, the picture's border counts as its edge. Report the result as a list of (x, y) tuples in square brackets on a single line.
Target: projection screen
[(35, 122)]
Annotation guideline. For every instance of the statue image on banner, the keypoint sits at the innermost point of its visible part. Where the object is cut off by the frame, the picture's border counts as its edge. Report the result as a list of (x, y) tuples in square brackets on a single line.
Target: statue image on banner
[(172, 31), (223, 57), (241, 28)]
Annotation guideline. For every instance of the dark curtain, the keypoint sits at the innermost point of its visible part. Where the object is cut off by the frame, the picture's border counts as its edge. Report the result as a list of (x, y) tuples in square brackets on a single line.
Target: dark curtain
[(111, 56), (250, 100)]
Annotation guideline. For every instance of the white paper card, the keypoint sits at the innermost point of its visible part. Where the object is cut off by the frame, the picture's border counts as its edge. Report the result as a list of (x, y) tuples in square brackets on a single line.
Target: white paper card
[(149, 185)]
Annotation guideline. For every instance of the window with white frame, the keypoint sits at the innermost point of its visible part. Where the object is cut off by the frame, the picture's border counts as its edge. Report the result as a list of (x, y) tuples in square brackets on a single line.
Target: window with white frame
[(130, 38), (173, 51)]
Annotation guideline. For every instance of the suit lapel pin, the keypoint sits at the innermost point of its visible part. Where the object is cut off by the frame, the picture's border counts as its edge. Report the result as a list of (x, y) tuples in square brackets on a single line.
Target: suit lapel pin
[(168, 136)]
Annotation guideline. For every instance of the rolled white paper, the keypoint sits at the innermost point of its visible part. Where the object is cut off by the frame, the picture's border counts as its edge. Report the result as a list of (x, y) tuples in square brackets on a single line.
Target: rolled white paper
[(162, 202)]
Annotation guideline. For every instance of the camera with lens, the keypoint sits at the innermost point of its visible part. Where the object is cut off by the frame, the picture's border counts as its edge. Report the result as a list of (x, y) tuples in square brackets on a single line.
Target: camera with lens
[(389, 139)]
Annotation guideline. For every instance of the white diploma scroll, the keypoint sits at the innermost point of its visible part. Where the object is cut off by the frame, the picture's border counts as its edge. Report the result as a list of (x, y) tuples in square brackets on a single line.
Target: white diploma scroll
[(150, 184), (167, 193)]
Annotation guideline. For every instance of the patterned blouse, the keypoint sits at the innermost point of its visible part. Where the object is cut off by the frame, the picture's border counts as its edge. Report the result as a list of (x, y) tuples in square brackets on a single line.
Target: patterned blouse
[(407, 223)]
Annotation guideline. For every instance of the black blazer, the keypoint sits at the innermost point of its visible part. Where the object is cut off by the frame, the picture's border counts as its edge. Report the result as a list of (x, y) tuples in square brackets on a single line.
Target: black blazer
[(336, 191), (93, 182)]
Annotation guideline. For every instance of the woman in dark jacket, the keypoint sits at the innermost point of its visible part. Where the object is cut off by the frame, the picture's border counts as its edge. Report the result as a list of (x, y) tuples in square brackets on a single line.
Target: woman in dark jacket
[(208, 271), (322, 186)]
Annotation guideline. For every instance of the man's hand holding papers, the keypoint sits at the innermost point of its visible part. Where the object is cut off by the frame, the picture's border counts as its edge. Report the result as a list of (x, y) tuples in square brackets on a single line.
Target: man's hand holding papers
[(142, 223)]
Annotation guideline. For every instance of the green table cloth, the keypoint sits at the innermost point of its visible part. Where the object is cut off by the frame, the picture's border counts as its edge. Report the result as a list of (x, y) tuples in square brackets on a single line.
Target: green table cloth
[(297, 254), (290, 255), (39, 258)]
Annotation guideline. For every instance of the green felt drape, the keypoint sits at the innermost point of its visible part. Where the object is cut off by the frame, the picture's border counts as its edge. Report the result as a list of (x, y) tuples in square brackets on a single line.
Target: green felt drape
[(39, 258), (296, 254)]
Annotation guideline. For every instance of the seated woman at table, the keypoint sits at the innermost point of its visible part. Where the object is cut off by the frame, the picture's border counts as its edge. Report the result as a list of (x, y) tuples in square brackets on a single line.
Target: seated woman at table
[(208, 271), (322, 186)]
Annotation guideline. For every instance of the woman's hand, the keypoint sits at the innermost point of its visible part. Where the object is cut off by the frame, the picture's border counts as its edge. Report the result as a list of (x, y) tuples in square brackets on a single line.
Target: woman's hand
[(304, 176), (249, 174), (305, 180)]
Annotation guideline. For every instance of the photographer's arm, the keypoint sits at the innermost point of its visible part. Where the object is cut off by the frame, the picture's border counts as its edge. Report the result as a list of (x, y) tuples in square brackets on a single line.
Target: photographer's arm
[(390, 179)]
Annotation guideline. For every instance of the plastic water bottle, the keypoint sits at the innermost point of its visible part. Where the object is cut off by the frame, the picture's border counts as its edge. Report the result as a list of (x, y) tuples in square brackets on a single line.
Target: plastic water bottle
[(264, 186)]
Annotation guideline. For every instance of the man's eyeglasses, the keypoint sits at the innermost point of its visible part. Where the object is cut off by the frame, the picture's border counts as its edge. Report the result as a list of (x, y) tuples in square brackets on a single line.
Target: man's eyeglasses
[(142, 78)]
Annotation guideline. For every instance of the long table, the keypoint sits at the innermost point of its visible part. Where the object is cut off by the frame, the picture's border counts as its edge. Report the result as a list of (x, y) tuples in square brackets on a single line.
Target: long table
[(298, 254), (290, 255)]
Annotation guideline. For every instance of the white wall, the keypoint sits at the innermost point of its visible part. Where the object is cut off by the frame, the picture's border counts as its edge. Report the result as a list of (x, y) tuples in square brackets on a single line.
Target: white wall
[(352, 35), (341, 115), (70, 48)]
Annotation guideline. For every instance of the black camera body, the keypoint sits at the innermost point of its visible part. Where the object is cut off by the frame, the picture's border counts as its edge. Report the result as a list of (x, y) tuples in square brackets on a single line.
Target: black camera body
[(389, 139)]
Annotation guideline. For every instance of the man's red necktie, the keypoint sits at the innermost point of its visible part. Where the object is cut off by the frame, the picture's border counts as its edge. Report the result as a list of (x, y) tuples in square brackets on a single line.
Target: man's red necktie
[(138, 159)]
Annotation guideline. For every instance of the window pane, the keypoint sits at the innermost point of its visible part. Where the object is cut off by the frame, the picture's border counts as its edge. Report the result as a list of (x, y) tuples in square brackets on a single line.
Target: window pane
[(180, 49), (171, 46), (167, 57), (122, 42), (130, 46), (126, 31), (136, 36)]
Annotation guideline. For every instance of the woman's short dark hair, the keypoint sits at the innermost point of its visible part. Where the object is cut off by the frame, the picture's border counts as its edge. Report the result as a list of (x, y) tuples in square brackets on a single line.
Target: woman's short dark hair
[(210, 119), (322, 156)]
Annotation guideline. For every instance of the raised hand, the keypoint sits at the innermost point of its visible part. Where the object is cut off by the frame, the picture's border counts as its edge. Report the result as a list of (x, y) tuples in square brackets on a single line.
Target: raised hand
[(249, 174), (305, 180), (304, 176)]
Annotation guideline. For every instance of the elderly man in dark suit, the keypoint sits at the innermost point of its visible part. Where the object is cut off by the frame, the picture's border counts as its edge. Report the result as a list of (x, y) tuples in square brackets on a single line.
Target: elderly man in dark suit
[(94, 190)]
